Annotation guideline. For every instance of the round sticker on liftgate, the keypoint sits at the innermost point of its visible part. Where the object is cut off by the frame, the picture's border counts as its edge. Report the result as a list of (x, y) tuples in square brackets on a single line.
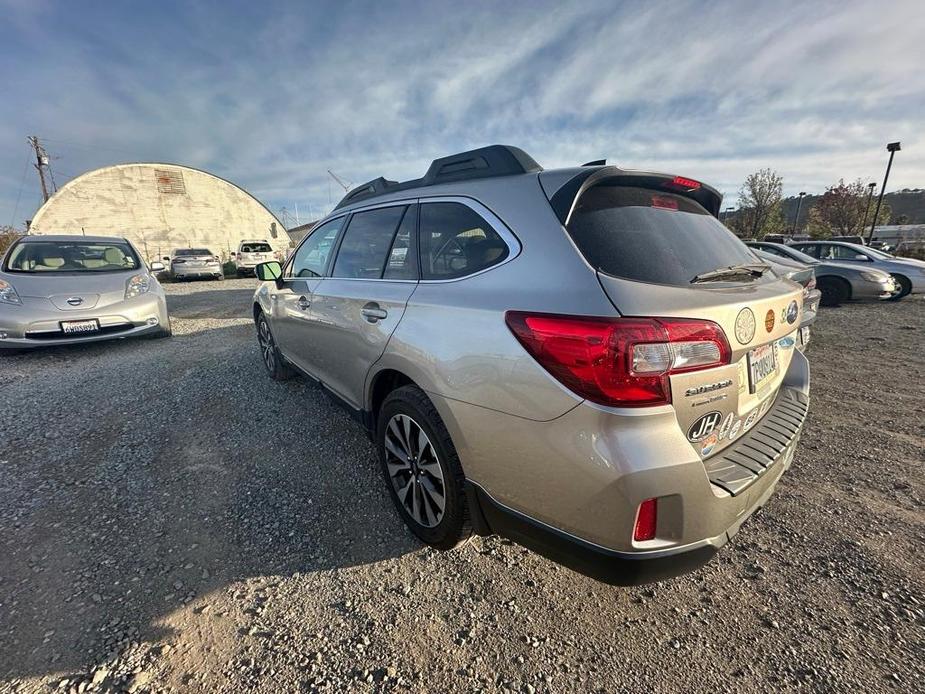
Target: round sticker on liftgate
[(704, 426)]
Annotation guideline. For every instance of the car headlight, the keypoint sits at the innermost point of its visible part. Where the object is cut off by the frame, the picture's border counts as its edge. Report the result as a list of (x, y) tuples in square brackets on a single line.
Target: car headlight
[(8, 294), (873, 276), (137, 285)]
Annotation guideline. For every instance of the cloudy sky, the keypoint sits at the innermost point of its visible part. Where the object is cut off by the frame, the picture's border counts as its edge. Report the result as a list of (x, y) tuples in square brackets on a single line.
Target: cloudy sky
[(272, 95)]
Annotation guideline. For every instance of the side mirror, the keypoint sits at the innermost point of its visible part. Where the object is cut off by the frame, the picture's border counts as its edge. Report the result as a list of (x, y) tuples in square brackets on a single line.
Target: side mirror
[(157, 267), (166, 257), (269, 271), (861, 256)]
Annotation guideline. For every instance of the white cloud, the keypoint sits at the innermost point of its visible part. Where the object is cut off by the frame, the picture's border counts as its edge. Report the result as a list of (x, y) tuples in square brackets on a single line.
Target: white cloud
[(274, 98)]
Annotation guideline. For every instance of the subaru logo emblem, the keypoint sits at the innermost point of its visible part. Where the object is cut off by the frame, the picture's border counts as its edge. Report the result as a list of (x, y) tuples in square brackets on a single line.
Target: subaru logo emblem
[(75, 300), (791, 312)]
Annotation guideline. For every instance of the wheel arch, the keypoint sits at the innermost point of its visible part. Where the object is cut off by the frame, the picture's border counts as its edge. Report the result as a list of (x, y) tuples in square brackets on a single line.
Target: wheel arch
[(836, 280)]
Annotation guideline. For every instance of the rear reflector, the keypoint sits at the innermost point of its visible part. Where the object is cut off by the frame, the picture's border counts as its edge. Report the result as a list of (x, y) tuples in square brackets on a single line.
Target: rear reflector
[(646, 520), (620, 362)]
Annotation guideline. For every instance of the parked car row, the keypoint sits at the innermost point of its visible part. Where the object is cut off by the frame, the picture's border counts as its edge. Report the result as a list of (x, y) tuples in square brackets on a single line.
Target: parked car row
[(847, 271), (202, 263)]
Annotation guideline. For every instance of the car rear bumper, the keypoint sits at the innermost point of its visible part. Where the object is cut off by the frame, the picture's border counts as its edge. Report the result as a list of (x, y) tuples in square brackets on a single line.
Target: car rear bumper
[(198, 271), (570, 488), (24, 328)]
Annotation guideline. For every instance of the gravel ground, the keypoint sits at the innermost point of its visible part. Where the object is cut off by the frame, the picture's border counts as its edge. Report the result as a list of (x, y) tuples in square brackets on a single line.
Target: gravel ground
[(170, 519)]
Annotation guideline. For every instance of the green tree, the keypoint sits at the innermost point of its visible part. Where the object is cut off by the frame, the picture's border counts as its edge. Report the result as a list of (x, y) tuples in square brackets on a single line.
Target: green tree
[(841, 210), (760, 205)]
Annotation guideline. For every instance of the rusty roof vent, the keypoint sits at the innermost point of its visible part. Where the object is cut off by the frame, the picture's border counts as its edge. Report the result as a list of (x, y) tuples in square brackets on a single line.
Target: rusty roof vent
[(170, 182)]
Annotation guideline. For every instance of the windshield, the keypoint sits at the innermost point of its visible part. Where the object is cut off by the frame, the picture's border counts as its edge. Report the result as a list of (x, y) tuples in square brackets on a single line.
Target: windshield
[(192, 251), (256, 248), (802, 257), (652, 236), (72, 256)]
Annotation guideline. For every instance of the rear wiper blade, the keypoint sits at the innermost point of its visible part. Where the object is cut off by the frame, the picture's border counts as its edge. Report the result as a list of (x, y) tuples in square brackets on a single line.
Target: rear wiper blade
[(746, 269)]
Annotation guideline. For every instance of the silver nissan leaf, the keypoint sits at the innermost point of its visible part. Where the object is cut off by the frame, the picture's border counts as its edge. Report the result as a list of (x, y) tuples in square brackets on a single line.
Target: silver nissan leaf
[(60, 290), (584, 360)]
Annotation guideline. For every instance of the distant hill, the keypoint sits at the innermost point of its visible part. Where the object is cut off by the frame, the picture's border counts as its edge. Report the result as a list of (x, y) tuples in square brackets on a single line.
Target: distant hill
[(907, 206), (909, 202)]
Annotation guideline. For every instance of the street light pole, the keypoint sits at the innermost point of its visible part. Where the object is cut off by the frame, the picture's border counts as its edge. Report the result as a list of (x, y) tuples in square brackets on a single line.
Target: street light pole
[(892, 148), (796, 217), (870, 195)]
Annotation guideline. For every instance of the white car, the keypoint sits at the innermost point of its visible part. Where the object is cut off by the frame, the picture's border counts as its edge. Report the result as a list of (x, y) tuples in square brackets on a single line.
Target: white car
[(252, 252)]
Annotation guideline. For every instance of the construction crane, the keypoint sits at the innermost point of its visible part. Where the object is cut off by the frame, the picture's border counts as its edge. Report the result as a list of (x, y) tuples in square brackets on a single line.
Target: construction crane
[(346, 185)]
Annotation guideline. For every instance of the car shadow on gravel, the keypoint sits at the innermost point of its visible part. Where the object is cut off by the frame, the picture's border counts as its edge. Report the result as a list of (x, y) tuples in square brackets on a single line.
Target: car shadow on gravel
[(154, 475)]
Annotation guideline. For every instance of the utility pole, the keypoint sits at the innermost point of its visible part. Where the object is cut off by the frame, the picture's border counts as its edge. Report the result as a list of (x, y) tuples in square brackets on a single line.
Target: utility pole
[(796, 218), (41, 163), (870, 195), (892, 148)]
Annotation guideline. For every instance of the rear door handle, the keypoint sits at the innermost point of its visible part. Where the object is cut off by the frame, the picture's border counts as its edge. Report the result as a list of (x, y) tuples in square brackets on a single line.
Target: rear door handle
[(372, 312), (303, 303)]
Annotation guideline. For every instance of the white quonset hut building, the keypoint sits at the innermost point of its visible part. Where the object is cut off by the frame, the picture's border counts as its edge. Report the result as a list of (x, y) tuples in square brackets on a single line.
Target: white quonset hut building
[(159, 207)]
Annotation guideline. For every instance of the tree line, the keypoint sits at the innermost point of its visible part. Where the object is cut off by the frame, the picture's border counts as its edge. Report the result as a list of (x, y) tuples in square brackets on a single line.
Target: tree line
[(840, 211)]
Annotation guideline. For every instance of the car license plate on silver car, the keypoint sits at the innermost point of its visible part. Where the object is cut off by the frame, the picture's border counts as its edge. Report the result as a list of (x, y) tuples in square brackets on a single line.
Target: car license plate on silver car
[(70, 327), (762, 366)]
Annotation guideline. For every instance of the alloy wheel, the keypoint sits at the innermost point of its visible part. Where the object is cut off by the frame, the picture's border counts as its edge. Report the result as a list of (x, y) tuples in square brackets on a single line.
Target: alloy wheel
[(267, 348), (415, 471)]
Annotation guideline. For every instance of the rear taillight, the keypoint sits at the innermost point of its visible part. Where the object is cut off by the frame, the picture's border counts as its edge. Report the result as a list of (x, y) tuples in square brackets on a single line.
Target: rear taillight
[(646, 521), (238, 256), (809, 286), (620, 362)]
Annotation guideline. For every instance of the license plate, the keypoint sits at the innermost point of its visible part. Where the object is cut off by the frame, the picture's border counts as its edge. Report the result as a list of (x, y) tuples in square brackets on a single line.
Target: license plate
[(804, 335), (762, 366), (69, 327)]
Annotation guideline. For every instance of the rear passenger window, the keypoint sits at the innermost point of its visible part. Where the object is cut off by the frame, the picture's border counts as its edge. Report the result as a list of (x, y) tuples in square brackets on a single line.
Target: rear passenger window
[(456, 241), (402, 263), (367, 242)]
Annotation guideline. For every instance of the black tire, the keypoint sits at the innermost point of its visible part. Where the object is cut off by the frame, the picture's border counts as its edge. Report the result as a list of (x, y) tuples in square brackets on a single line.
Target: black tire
[(164, 332), (273, 361), (905, 288), (455, 526), (240, 274), (835, 291), (220, 278)]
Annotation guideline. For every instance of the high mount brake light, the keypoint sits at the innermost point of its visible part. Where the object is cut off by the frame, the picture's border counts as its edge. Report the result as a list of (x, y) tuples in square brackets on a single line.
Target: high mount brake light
[(619, 362), (688, 183)]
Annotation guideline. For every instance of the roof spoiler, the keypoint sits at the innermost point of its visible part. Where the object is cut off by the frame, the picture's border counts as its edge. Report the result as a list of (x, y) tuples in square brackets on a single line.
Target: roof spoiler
[(485, 162), (564, 199)]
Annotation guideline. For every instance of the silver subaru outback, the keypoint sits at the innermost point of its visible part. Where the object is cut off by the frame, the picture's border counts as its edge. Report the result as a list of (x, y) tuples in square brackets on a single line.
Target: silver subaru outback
[(584, 360)]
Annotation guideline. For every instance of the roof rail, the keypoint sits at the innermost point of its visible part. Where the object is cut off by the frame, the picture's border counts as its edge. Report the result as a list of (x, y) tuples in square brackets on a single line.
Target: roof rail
[(485, 162)]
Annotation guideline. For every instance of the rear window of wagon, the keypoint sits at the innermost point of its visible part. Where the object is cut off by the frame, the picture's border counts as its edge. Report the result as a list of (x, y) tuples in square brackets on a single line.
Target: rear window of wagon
[(651, 236)]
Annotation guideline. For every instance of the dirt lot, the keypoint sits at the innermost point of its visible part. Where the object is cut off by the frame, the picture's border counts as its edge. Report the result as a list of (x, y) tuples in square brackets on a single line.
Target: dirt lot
[(170, 519)]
